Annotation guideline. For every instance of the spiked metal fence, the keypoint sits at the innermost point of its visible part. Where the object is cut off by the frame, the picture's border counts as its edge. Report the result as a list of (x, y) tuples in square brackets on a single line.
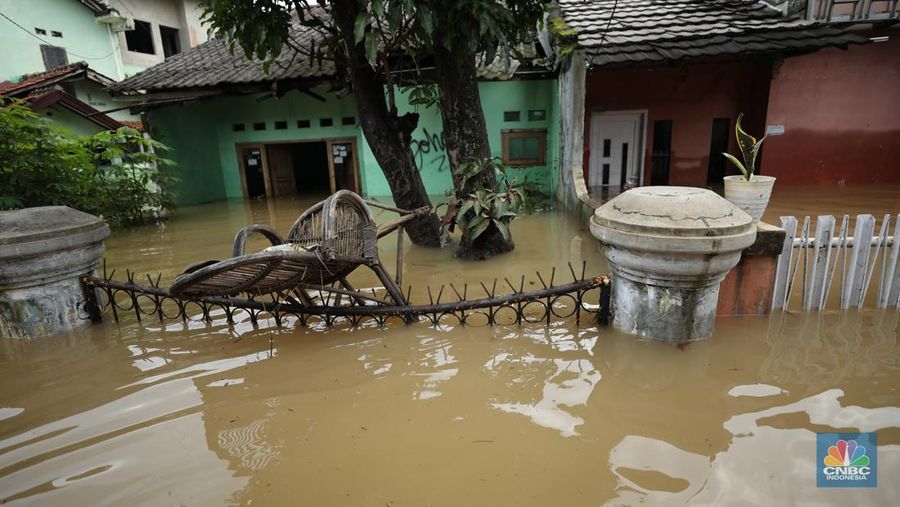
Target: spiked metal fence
[(501, 302)]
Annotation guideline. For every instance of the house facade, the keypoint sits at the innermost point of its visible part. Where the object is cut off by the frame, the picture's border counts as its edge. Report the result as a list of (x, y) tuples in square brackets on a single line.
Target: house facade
[(60, 55), (239, 132), (651, 97)]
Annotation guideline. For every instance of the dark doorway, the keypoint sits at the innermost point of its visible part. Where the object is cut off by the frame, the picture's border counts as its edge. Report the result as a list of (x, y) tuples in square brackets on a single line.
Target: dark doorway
[(662, 152), (253, 170), (311, 168), (718, 144)]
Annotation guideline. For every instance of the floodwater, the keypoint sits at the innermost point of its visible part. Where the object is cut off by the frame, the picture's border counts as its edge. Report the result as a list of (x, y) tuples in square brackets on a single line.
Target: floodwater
[(193, 414)]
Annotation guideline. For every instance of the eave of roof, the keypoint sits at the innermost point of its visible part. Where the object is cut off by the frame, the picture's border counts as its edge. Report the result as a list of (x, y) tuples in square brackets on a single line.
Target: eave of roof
[(96, 6), (631, 31), (60, 98), (38, 80)]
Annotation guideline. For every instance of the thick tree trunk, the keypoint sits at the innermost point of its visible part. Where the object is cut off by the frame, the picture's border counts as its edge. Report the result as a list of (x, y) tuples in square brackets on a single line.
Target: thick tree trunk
[(466, 139), (389, 136)]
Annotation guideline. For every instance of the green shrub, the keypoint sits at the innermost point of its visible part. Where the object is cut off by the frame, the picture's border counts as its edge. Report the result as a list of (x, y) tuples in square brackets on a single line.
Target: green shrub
[(118, 175)]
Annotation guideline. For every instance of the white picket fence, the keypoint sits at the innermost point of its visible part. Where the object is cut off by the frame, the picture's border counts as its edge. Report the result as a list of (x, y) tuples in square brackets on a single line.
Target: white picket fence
[(818, 257)]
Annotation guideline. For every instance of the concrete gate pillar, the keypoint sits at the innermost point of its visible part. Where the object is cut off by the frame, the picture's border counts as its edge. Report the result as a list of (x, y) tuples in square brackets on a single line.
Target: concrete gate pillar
[(669, 248), (43, 253)]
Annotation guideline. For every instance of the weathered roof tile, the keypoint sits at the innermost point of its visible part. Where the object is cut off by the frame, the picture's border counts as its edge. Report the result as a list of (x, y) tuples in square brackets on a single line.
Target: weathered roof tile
[(622, 31)]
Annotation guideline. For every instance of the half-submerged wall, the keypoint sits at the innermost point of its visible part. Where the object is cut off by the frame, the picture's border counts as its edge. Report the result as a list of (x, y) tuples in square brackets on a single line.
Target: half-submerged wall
[(840, 110), (205, 135)]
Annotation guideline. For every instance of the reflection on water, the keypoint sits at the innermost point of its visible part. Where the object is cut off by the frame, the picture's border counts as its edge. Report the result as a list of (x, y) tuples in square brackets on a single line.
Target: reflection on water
[(201, 414)]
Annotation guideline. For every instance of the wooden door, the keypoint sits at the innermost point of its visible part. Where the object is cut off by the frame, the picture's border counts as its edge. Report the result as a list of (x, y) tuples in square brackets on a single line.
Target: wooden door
[(343, 165), (281, 169)]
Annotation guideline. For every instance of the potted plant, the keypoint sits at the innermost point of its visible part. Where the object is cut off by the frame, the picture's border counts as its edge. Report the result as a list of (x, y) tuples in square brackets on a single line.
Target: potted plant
[(748, 191)]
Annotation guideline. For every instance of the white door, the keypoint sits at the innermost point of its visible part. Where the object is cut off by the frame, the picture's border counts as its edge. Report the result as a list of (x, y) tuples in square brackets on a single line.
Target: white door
[(616, 148)]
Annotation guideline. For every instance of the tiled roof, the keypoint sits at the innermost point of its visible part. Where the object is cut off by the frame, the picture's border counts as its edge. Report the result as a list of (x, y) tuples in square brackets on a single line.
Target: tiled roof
[(41, 80), (626, 31), (211, 64), (135, 124)]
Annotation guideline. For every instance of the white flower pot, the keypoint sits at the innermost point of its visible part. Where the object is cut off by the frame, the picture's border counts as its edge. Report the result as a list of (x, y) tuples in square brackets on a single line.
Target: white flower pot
[(750, 196)]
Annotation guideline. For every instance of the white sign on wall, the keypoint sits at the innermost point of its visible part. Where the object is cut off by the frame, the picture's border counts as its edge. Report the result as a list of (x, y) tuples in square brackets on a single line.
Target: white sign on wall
[(774, 130)]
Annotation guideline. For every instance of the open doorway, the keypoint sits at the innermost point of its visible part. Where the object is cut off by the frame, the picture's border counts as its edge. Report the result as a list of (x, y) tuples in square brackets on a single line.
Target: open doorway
[(318, 167), (254, 176)]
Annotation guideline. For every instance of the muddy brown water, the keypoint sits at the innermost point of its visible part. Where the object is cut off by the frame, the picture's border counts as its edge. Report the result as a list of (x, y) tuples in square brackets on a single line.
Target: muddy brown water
[(192, 414)]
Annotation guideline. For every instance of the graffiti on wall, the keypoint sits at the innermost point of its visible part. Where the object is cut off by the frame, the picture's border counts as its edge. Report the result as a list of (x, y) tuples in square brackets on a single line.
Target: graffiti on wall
[(430, 149)]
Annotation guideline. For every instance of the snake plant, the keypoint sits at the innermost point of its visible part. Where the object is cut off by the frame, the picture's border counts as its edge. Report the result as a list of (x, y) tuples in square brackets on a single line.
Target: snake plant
[(749, 147)]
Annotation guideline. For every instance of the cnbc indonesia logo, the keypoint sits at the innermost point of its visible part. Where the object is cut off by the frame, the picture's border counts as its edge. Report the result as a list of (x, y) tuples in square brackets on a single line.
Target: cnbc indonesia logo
[(847, 462)]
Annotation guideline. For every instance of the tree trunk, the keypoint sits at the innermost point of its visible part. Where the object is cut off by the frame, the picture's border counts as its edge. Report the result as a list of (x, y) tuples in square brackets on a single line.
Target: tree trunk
[(388, 135), (466, 139)]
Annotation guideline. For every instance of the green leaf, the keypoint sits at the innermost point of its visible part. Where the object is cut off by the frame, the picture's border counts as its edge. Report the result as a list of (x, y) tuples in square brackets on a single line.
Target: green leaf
[(477, 229), (737, 163), (746, 144), (503, 227), (359, 26)]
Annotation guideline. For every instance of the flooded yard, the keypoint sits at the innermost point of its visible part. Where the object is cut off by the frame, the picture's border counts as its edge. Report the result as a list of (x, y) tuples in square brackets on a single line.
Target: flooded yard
[(416, 415)]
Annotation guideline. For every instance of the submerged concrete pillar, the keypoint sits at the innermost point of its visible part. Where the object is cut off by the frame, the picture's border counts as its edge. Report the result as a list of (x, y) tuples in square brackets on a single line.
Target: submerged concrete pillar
[(43, 253), (669, 248)]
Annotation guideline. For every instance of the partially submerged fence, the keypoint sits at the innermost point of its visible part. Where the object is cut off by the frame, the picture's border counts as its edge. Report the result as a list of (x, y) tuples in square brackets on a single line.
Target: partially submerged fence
[(843, 266), (541, 300)]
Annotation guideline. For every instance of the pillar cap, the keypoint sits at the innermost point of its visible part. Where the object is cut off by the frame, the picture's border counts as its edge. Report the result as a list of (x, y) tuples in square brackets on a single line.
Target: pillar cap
[(673, 211), (44, 222)]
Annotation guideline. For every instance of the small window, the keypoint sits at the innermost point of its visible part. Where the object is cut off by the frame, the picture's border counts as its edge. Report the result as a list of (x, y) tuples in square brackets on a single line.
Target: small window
[(54, 56), (348, 120), (171, 43), (607, 147), (524, 147), (40, 31), (259, 126), (302, 124), (326, 122), (140, 40), (537, 115), (280, 125), (55, 33), (237, 127), (510, 116)]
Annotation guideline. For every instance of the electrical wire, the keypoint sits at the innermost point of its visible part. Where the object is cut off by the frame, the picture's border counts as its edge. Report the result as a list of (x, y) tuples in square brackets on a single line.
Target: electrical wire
[(55, 45)]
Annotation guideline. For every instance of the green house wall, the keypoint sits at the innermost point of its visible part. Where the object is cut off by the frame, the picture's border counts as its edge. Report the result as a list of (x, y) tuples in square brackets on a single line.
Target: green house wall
[(82, 36), (205, 145)]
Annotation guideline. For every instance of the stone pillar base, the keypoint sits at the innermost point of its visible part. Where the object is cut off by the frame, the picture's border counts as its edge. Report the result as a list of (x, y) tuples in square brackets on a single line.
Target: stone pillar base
[(665, 313), (44, 252)]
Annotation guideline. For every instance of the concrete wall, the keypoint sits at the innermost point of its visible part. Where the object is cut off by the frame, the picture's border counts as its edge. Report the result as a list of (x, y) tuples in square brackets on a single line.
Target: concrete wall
[(689, 94), (183, 15), (205, 144), (841, 116), (82, 36), (74, 122), (95, 96)]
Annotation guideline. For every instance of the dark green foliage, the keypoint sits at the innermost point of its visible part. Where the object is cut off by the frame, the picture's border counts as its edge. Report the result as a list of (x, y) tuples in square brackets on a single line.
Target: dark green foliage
[(484, 207), (118, 175)]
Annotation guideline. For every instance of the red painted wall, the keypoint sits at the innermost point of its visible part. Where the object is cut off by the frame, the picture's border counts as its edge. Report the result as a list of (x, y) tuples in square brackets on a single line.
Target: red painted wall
[(690, 95), (841, 113)]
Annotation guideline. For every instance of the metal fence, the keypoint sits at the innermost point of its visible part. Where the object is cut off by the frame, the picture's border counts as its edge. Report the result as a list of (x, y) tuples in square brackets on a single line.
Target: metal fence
[(820, 263)]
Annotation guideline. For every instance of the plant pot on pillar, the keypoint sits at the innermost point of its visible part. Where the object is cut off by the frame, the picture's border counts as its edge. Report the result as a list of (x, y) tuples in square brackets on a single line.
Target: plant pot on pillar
[(748, 191)]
